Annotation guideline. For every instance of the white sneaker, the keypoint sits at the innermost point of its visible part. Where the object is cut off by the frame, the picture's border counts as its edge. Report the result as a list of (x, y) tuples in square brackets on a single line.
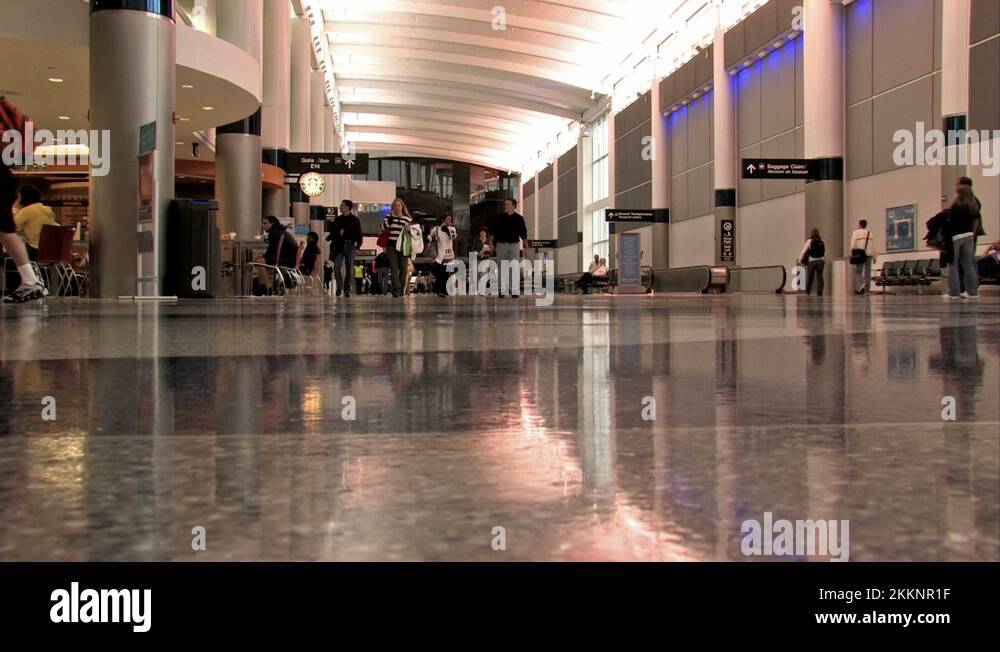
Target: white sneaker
[(26, 293), (964, 295), (972, 297)]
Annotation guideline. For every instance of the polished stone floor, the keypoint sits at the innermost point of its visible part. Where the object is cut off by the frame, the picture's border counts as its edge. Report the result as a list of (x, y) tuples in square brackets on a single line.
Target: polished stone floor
[(123, 427)]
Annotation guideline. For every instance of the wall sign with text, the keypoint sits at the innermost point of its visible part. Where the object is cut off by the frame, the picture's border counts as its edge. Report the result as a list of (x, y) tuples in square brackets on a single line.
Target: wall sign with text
[(727, 241)]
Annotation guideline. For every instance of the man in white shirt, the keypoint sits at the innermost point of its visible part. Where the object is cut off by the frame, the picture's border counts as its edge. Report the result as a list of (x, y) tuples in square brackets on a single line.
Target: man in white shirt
[(594, 265), (861, 241)]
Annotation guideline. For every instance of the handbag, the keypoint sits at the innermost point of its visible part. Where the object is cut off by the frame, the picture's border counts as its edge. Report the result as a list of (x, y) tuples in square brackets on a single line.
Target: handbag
[(431, 250), (860, 256), (416, 240), (404, 244), (383, 239)]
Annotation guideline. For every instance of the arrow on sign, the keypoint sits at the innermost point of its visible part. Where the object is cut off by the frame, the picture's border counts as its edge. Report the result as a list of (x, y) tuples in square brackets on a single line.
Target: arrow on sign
[(349, 163), (751, 168)]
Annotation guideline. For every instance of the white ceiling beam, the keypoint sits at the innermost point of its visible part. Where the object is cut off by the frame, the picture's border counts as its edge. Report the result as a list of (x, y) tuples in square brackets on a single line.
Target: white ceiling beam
[(411, 9), (498, 87), (444, 96), (613, 9), (370, 33), (440, 132), (564, 74), (373, 113)]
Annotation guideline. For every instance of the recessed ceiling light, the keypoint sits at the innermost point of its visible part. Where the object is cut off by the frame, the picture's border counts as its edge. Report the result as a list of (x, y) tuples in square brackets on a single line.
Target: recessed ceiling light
[(183, 119), (64, 117), (56, 80), (208, 108), (187, 86), (179, 142)]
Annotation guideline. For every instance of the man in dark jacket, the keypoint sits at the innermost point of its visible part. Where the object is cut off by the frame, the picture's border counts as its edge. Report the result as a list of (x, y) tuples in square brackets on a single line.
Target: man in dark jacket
[(509, 230), (345, 237)]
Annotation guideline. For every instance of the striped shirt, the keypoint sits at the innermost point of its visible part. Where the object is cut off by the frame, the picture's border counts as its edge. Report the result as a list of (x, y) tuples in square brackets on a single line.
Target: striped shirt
[(395, 225)]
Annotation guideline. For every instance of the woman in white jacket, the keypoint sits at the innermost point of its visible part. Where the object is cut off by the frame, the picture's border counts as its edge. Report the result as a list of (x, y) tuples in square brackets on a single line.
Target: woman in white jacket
[(443, 236)]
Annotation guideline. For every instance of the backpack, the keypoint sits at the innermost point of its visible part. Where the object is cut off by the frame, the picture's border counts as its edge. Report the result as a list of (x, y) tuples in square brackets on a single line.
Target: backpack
[(817, 248)]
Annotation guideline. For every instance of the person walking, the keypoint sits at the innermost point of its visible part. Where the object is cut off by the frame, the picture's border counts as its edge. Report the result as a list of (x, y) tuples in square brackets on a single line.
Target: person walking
[(443, 236), (862, 257), (398, 220), (813, 256), (345, 238), (966, 183), (963, 224), (31, 289), (509, 230), (382, 272)]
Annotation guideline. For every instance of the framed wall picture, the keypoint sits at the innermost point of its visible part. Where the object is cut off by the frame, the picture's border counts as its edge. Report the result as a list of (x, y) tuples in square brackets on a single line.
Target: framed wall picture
[(900, 228)]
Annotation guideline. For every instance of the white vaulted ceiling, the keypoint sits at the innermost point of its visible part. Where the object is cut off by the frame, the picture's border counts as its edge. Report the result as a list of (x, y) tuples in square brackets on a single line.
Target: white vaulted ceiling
[(488, 81), (449, 79)]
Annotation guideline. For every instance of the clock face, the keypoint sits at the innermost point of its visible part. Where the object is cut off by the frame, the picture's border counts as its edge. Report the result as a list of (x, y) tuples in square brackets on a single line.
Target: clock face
[(312, 184)]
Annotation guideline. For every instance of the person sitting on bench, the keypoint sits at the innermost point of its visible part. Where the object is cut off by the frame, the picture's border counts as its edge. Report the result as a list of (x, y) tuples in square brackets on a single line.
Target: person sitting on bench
[(598, 272), (989, 265)]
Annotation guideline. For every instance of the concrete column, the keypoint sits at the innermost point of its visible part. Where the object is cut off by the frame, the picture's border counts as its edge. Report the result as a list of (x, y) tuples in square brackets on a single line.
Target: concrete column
[(241, 22), (583, 163), (956, 27), (238, 152), (203, 15), (277, 67), (301, 68), (132, 81), (824, 121), (724, 125), (612, 189), (317, 122), (660, 132), (331, 144), (238, 146), (275, 122)]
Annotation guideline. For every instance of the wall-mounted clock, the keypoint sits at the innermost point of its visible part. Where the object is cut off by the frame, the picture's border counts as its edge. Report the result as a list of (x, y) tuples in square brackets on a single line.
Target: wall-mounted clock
[(312, 183)]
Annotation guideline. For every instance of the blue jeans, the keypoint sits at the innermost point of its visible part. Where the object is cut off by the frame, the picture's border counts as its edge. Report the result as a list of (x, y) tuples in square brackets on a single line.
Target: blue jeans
[(863, 275), (345, 258), (965, 257), (510, 251), (397, 270)]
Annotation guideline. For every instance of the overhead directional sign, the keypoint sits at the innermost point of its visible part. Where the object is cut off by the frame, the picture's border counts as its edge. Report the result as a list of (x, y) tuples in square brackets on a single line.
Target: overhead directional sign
[(780, 168), (543, 244), (323, 163), (635, 215)]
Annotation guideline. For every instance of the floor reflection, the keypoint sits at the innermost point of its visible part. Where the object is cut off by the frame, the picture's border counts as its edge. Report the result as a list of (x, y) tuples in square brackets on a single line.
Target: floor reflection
[(474, 415)]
